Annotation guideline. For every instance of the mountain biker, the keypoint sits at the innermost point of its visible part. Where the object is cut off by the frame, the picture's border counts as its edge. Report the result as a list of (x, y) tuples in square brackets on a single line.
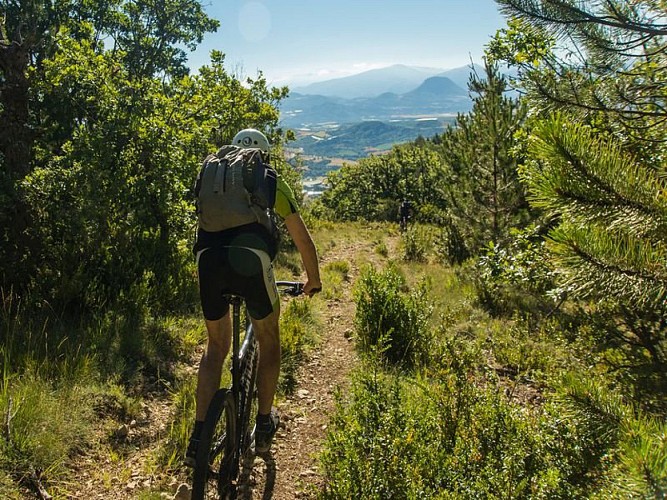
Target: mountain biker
[(238, 261), (404, 212)]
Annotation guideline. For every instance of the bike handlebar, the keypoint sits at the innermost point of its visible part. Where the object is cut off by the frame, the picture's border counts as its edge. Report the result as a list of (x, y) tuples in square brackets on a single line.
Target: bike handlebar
[(293, 288)]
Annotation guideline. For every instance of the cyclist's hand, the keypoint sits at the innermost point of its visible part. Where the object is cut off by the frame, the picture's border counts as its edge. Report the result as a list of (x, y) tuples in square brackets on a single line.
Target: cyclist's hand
[(311, 288)]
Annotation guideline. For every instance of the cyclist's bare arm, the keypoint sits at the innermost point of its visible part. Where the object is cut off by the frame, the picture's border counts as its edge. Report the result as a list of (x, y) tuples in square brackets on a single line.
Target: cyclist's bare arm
[(306, 247)]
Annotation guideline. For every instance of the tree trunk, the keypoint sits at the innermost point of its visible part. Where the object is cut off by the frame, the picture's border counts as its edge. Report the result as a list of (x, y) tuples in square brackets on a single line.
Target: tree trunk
[(15, 133), (16, 140)]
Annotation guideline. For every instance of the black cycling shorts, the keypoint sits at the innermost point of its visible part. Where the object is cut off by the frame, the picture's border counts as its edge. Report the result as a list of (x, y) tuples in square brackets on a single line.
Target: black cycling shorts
[(234, 270)]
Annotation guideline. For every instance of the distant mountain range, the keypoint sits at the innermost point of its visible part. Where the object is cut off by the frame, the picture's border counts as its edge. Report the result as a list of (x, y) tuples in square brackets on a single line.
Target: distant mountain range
[(397, 79), (393, 93)]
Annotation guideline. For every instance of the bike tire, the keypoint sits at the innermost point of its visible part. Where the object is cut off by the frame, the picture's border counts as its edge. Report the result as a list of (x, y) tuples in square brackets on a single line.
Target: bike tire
[(248, 403), (217, 455)]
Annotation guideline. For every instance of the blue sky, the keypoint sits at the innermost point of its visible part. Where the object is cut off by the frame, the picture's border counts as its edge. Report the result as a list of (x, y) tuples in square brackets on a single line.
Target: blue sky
[(296, 42)]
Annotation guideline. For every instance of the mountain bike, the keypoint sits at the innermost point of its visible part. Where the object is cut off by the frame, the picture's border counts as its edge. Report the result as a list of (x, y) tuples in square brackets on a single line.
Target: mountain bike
[(227, 437)]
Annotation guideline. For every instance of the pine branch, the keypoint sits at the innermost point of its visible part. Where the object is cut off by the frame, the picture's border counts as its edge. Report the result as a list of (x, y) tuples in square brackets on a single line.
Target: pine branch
[(599, 264), (584, 172), (560, 12)]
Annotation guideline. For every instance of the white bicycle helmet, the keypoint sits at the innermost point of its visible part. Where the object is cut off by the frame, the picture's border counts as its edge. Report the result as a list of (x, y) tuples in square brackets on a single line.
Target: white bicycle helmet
[(251, 138)]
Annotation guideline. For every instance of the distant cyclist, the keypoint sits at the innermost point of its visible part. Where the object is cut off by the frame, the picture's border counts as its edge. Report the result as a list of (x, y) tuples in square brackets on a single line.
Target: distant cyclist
[(404, 213), (237, 260)]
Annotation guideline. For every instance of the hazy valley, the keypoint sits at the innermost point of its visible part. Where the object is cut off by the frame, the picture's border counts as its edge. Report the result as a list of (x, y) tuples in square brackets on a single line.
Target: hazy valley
[(349, 118)]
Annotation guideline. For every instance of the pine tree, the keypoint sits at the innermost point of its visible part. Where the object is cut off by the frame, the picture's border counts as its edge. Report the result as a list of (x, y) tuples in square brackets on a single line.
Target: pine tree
[(487, 197), (595, 74), (612, 238), (601, 67)]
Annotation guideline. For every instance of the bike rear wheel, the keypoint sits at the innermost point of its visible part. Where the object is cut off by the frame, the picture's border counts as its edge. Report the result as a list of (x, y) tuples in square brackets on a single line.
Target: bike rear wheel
[(216, 467), (248, 397)]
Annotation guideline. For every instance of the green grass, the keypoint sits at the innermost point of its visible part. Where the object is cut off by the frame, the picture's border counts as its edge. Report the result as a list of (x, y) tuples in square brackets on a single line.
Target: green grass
[(170, 453), (334, 276), (298, 335), (44, 423)]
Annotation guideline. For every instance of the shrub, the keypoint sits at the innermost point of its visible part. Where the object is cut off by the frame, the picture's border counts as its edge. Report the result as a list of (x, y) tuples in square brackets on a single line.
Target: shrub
[(517, 276), (391, 317), (450, 245), (415, 243), (439, 437), (449, 433)]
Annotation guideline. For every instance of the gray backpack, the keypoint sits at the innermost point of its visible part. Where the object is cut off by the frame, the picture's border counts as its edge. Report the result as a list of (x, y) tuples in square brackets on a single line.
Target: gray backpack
[(235, 187)]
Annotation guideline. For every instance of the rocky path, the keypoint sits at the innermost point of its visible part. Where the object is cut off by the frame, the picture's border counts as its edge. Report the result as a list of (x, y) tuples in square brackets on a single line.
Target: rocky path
[(305, 414)]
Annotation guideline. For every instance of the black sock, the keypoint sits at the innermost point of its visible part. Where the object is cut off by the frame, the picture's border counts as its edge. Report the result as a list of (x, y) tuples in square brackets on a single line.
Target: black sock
[(263, 419), (196, 432)]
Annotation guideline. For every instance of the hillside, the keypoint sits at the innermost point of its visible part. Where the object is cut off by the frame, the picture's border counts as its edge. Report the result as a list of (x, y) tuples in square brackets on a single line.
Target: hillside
[(136, 440), (396, 79), (351, 142), (507, 341), (491, 380)]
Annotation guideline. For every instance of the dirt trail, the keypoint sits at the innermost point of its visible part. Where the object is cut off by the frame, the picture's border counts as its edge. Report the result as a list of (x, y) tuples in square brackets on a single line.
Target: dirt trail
[(305, 414)]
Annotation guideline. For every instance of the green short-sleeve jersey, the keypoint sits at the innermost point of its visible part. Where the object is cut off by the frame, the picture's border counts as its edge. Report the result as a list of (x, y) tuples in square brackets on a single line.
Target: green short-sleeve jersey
[(285, 204)]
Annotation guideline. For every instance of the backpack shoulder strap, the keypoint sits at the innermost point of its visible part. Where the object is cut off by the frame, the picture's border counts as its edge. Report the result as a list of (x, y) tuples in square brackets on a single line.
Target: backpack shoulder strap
[(201, 173)]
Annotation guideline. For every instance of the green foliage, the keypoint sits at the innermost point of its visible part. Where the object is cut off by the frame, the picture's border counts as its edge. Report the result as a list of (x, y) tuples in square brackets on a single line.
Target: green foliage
[(450, 246), (416, 243), (611, 238), (434, 437), (611, 441), (449, 433), (632, 342), (54, 394), (517, 277), (151, 34), (642, 471), (486, 199), (392, 318), (520, 43), (603, 62), (373, 188), (119, 138), (298, 334), (595, 165)]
